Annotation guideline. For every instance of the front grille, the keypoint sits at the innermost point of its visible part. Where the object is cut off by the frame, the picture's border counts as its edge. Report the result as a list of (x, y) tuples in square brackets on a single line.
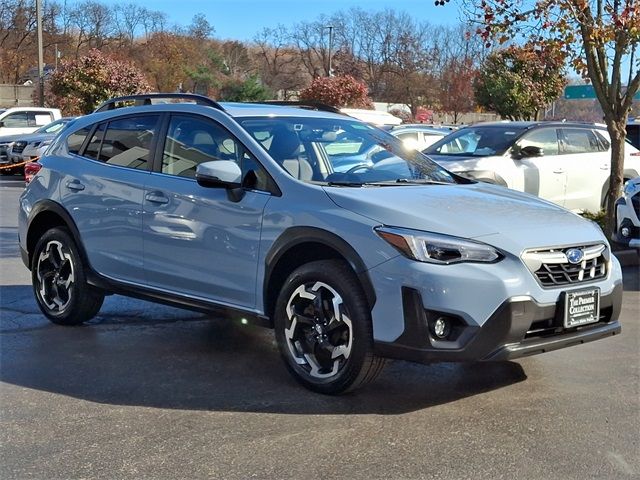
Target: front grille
[(635, 201), (18, 147), (552, 267)]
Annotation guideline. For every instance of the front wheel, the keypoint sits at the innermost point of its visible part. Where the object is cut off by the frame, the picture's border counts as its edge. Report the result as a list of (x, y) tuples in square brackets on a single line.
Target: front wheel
[(323, 328), (59, 282)]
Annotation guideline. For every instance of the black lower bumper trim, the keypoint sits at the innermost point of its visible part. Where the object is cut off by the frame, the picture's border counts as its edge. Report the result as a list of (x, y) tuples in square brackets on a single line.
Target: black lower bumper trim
[(527, 348), (504, 336)]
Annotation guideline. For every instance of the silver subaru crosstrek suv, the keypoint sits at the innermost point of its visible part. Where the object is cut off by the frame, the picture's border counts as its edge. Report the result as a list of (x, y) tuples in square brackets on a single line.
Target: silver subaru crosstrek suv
[(350, 246)]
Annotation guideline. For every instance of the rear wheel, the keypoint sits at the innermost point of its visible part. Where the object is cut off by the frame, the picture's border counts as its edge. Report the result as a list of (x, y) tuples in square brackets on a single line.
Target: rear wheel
[(59, 281), (323, 328)]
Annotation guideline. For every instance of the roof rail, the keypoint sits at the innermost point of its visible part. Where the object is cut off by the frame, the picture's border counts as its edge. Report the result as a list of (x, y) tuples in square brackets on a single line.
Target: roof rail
[(323, 107), (155, 98)]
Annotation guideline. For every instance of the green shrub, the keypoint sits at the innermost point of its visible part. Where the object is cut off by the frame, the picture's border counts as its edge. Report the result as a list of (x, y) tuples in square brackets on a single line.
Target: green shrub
[(599, 217)]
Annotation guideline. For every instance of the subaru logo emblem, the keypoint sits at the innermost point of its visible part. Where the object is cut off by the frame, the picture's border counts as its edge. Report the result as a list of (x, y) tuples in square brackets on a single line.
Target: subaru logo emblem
[(574, 255)]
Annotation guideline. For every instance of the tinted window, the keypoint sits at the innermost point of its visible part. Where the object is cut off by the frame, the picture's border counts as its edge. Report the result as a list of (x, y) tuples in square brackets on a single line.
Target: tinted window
[(194, 140), (545, 138), (16, 120), (579, 140), (127, 141), (93, 147), (604, 141), (476, 141), (76, 139)]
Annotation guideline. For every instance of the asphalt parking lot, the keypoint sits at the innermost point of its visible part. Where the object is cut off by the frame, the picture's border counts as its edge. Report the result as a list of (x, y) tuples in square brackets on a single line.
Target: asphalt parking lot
[(147, 391)]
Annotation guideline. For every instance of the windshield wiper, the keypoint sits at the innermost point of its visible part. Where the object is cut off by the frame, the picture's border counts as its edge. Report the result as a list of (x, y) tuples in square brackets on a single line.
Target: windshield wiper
[(409, 181), (344, 184)]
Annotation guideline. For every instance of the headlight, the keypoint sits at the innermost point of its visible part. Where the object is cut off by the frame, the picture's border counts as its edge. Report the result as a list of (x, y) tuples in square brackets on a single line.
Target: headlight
[(436, 248), (6, 144), (45, 143)]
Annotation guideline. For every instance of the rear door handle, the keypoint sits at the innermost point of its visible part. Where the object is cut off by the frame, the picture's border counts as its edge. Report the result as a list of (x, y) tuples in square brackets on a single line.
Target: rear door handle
[(604, 166), (156, 197), (559, 170), (75, 185)]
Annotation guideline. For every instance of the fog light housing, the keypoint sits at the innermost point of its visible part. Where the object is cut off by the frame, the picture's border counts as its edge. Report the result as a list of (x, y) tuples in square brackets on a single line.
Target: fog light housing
[(625, 232), (441, 328)]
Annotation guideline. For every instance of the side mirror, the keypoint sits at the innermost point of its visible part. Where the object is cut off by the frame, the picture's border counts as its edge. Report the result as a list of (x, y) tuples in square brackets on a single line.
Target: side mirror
[(530, 151), (219, 174), (1, 124)]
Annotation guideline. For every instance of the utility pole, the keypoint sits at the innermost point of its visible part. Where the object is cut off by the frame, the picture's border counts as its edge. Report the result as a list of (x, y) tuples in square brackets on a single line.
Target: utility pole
[(330, 27), (40, 56)]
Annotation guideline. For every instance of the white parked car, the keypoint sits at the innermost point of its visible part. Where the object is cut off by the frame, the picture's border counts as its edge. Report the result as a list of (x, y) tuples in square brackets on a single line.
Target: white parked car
[(418, 137), (628, 215), (566, 163), (26, 119)]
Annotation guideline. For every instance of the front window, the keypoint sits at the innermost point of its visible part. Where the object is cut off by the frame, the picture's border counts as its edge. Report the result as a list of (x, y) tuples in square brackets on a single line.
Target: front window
[(545, 138), (481, 141), (338, 151), (192, 140)]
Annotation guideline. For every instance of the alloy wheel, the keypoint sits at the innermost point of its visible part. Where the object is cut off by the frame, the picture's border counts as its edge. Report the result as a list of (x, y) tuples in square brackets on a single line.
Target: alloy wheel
[(319, 333), (55, 274)]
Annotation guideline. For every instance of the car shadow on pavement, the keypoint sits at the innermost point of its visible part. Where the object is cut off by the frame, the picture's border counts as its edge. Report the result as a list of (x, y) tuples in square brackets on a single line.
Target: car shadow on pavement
[(140, 354), (631, 278), (9, 242)]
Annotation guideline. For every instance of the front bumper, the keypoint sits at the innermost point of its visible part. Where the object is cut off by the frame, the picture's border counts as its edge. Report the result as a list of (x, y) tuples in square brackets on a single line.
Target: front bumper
[(519, 327), (627, 217)]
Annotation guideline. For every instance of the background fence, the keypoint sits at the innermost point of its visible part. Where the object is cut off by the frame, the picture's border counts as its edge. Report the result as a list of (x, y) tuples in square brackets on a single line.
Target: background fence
[(16, 95)]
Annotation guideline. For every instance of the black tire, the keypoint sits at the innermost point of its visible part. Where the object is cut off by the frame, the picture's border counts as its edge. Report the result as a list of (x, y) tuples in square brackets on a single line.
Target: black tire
[(59, 281), (310, 296)]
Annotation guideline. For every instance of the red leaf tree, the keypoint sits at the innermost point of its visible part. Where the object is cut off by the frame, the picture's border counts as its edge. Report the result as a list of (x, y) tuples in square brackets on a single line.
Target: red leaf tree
[(79, 86), (343, 91)]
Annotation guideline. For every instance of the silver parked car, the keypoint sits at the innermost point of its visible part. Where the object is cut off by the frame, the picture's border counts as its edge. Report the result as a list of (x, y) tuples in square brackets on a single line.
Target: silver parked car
[(237, 210)]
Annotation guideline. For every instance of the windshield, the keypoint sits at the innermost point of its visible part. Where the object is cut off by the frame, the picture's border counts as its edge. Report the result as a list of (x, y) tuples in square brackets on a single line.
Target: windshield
[(476, 141), (52, 127), (338, 151)]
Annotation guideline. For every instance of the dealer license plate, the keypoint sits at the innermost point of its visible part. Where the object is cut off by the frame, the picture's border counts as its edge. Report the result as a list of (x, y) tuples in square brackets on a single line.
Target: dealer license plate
[(581, 307)]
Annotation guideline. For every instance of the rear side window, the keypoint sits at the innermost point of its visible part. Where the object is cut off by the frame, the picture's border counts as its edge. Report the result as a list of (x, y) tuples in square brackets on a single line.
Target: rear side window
[(76, 139), (579, 140), (604, 141), (93, 147), (127, 142)]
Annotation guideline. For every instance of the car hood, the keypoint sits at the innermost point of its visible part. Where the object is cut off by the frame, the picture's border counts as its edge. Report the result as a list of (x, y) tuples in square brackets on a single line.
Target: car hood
[(504, 218), (455, 163), (36, 137), (12, 138)]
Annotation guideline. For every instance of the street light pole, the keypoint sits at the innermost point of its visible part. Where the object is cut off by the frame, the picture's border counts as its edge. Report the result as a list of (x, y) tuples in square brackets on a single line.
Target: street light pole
[(330, 27), (40, 56)]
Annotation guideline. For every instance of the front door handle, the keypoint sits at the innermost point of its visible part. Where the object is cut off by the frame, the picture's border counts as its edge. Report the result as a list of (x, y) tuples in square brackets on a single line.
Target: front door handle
[(604, 166), (75, 185), (559, 170), (156, 197)]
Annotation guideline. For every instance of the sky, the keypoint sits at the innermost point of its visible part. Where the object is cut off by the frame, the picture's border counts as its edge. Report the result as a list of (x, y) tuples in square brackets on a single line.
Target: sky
[(242, 19)]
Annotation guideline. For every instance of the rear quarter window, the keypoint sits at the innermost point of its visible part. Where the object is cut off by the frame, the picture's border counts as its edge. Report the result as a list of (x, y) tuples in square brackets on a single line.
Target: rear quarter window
[(76, 140)]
